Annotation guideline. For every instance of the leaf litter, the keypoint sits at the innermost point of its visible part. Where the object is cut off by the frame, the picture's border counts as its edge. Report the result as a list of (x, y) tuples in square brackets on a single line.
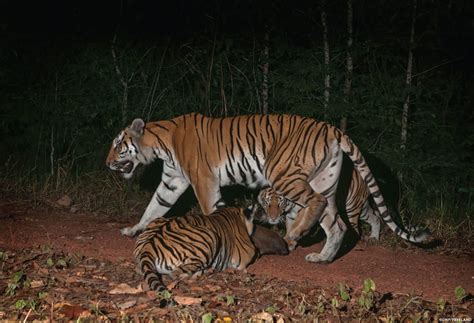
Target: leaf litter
[(45, 284)]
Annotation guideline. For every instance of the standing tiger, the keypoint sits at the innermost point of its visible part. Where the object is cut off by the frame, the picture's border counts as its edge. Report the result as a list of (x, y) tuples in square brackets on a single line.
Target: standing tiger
[(186, 246), (299, 157)]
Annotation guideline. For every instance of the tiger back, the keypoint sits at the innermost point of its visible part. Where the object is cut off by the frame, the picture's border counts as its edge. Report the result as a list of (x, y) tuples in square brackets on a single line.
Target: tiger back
[(187, 246)]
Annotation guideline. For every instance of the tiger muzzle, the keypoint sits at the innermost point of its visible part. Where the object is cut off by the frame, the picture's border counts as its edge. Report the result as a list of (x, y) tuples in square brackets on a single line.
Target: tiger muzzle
[(122, 167)]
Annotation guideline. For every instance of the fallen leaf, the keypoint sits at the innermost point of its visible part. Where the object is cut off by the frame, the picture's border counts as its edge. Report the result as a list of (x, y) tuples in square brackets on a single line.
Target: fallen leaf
[(197, 289), (125, 289), (171, 285), (37, 284), (262, 317), (124, 306), (74, 311), (151, 294), (212, 288), (185, 300)]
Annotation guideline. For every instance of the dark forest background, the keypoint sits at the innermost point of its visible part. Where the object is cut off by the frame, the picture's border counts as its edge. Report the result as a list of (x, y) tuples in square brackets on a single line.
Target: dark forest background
[(73, 73)]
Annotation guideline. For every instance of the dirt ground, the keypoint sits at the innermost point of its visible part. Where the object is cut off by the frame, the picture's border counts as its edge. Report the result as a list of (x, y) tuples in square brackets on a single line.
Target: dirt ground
[(398, 271)]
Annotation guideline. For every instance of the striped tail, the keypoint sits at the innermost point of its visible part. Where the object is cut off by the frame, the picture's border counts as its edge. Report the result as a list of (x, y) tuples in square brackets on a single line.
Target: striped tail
[(353, 152)]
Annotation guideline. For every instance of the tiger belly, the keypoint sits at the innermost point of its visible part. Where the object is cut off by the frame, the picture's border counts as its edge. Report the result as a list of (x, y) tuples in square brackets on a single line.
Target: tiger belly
[(245, 171)]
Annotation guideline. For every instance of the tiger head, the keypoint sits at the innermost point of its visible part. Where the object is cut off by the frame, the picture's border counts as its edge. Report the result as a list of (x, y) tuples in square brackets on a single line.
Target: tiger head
[(125, 153), (275, 206)]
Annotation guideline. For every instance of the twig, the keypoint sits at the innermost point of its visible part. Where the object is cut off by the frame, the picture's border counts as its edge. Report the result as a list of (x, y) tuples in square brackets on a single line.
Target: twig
[(436, 66), (27, 315)]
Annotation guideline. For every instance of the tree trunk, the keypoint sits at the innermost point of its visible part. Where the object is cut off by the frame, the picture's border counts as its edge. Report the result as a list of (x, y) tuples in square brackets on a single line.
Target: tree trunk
[(327, 78), (406, 104), (349, 66), (265, 68), (124, 83)]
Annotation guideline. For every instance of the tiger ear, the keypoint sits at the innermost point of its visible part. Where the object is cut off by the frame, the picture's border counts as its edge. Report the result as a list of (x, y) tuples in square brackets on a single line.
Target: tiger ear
[(137, 127), (261, 195)]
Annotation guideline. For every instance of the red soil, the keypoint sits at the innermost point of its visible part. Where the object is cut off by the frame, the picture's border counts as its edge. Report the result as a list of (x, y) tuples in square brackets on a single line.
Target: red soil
[(417, 271)]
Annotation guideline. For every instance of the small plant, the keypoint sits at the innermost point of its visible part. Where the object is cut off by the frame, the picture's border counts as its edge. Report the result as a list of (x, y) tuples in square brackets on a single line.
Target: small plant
[(17, 281), (230, 300), (164, 294), (320, 305), (335, 306), (59, 263), (441, 305), (271, 309), (343, 293), (207, 318), (460, 293), (3, 256), (367, 297), (301, 306), (42, 295), (22, 304)]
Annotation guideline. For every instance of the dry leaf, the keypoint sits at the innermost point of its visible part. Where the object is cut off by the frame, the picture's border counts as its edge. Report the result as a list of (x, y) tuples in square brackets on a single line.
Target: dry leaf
[(37, 284), (185, 300), (124, 306), (125, 289), (262, 317), (74, 311), (197, 289), (171, 285), (212, 288)]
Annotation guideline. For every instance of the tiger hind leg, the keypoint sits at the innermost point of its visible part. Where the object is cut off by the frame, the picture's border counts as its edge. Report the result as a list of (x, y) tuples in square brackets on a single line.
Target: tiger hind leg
[(335, 229), (371, 217)]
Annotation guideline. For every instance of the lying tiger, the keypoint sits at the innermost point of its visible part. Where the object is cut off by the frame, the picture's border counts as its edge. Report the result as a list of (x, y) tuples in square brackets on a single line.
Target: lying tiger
[(299, 157), (187, 246), (277, 208)]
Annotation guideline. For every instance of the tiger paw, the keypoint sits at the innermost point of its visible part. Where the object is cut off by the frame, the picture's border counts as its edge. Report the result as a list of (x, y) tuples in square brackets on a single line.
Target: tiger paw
[(128, 231), (291, 244), (316, 257)]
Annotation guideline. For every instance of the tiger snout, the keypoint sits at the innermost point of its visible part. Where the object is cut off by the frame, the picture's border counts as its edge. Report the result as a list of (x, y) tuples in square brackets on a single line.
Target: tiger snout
[(273, 214)]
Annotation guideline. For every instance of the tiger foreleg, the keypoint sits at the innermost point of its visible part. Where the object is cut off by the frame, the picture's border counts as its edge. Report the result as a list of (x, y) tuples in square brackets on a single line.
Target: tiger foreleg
[(305, 219), (334, 228), (167, 193), (289, 223)]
